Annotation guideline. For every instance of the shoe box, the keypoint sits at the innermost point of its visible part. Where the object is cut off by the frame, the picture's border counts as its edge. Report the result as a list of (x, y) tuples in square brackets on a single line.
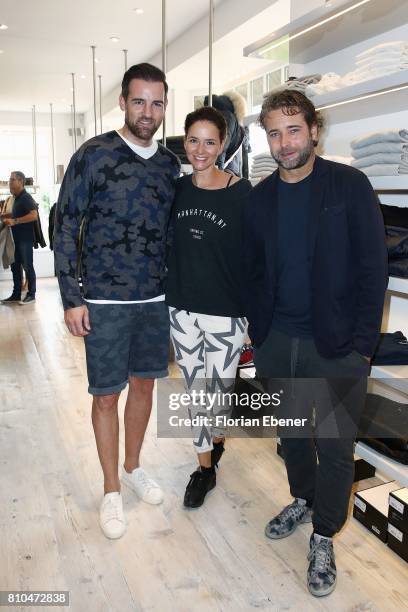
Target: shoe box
[(398, 522), (371, 508), (398, 509)]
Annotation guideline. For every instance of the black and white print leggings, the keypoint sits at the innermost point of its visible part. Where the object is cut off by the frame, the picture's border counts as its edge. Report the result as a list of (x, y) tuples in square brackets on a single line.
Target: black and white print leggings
[(207, 350)]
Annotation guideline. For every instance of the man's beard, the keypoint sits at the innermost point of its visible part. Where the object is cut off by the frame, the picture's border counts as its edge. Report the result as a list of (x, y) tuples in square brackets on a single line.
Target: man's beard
[(302, 157), (143, 132)]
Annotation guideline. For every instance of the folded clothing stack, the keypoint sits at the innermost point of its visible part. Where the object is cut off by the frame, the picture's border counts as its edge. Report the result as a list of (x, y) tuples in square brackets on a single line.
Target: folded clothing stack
[(262, 165), (381, 59), (329, 82), (297, 84), (383, 153), (392, 349), (370, 64)]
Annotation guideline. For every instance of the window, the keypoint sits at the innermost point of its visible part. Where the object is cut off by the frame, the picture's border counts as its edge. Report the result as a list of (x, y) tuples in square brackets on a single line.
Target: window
[(257, 91), (243, 90), (273, 79), (198, 102)]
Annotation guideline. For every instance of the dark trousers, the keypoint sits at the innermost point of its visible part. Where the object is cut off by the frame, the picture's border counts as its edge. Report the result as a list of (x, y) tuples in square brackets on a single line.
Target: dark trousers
[(23, 258), (330, 394)]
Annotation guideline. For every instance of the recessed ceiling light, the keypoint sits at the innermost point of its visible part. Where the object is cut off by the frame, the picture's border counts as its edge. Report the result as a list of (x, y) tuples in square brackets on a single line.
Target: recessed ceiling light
[(3, 26), (96, 60), (83, 76), (114, 39), (1, 51), (138, 11)]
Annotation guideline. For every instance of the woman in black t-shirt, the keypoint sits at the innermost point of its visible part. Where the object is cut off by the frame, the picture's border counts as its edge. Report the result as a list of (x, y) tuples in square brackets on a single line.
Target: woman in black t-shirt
[(207, 323)]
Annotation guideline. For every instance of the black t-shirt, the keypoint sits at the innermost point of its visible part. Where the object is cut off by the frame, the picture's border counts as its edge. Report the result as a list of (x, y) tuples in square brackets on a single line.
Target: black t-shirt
[(292, 313), (23, 204), (204, 263)]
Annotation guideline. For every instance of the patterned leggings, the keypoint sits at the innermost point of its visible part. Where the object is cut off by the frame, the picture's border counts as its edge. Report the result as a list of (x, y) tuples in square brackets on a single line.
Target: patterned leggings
[(207, 350)]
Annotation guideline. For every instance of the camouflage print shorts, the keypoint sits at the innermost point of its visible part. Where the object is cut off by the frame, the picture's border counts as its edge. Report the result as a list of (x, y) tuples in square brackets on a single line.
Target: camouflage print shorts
[(126, 340)]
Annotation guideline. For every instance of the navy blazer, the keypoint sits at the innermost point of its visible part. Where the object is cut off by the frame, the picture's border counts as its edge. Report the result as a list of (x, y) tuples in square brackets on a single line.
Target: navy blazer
[(347, 258)]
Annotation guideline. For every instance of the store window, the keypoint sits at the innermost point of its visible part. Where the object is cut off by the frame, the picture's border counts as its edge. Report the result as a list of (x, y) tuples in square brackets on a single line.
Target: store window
[(243, 90), (273, 79), (257, 92), (198, 102)]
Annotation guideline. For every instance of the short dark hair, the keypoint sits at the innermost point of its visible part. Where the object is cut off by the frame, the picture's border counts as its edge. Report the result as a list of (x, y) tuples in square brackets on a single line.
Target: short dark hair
[(210, 114), (145, 72), (291, 102), (20, 176)]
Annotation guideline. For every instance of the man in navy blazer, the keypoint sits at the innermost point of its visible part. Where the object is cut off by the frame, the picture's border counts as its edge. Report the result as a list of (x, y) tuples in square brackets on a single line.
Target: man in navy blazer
[(315, 276)]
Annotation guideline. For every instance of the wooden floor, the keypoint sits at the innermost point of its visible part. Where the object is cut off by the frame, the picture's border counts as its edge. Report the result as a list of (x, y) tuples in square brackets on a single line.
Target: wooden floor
[(212, 559)]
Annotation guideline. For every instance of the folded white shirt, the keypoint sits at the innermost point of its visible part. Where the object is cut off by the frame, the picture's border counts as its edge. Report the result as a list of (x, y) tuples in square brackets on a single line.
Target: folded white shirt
[(262, 173), (384, 170), (372, 60), (400, 136), (380, 158), (396, 45), (329, 82), (381, 147)]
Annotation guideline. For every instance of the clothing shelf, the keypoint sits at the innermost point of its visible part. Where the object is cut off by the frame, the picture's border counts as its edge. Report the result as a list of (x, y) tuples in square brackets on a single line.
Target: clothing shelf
[(393, 469), (308, 43), (396, 376), (386, 92), (392, 184), (387, 98), (399, 285)]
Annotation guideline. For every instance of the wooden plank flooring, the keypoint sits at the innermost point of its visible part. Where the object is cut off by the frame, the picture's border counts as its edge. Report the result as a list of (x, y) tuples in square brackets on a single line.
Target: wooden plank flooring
[(212, 559)]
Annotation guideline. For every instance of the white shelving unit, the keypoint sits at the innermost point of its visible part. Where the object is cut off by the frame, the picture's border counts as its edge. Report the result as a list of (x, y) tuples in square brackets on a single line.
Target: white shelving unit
[(393, 88), (389, 467), (308, 42), (387, 93)]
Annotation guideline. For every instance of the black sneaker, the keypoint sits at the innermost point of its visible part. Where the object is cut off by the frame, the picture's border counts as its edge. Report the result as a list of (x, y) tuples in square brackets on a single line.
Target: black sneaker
[(200, 483), (29, 299), (322, 572), (286, 521), (11, 300), (216, 453)]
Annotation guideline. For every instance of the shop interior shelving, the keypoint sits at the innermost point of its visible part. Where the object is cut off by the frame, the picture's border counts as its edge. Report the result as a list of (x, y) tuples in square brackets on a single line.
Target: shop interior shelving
[(392, 469), (383, 95), (388, 94), (308, 42)]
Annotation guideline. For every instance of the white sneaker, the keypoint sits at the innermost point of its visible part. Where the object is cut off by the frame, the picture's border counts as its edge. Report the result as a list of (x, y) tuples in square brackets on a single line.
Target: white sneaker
[(111, 517), (147, 489)]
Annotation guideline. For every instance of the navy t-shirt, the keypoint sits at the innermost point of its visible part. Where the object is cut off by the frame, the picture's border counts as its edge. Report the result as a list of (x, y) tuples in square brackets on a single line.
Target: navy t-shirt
[(292, 313), (23, 204), (204, 265)]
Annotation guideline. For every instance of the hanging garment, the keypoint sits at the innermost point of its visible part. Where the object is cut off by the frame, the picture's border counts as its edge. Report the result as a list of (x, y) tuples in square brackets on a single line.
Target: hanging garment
[(6, 246)]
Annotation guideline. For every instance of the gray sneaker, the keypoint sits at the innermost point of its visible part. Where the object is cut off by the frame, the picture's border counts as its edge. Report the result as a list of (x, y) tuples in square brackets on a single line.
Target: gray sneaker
[(322, 572), (286, 521)]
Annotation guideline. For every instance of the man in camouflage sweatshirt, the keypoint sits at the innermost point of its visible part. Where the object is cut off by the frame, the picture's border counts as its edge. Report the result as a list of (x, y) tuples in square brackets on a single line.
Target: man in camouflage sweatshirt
[(117, 194)]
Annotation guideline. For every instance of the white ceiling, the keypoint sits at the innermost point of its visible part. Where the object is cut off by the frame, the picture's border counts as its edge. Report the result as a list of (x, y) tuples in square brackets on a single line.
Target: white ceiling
[(46, 40), (229, 63)]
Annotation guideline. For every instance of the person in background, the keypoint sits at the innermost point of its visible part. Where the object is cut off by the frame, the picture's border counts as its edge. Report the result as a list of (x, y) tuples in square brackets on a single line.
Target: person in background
[(315, 276), (202, 291), (23, 216), (119, 187)]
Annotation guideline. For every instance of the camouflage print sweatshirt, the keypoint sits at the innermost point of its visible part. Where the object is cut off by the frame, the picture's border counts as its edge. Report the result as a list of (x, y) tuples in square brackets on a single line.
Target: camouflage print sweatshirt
[(123, 203)]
